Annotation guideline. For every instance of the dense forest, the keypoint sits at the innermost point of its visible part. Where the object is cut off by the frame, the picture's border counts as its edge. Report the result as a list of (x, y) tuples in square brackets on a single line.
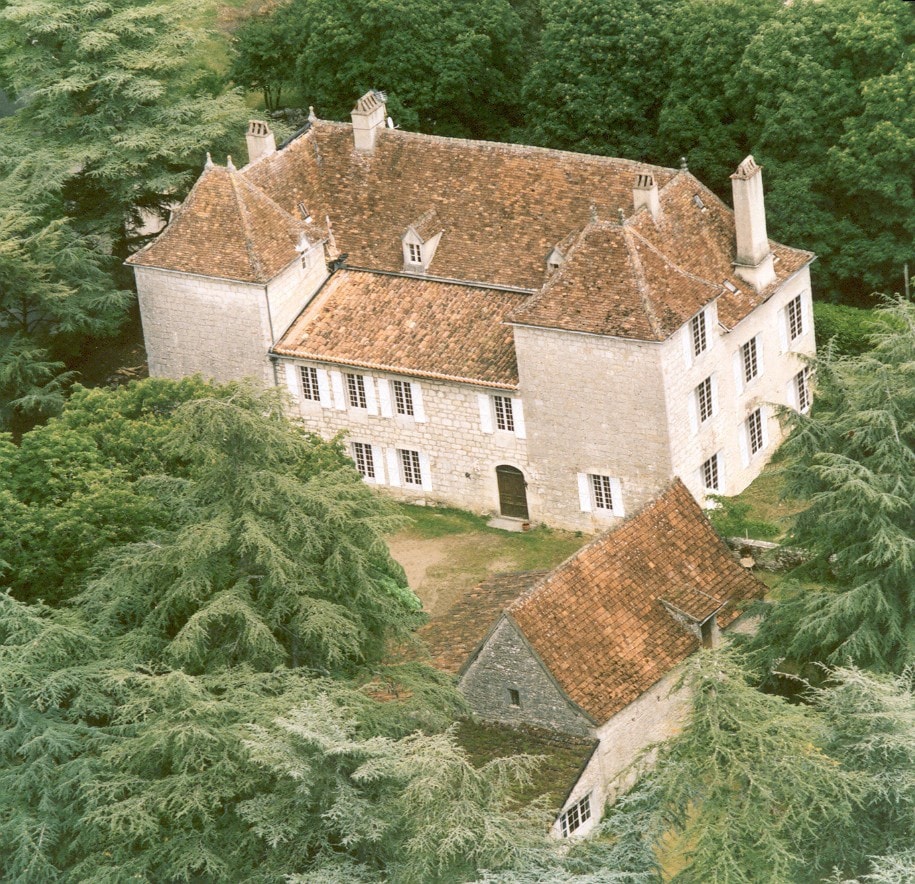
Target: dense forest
[(208, 667)]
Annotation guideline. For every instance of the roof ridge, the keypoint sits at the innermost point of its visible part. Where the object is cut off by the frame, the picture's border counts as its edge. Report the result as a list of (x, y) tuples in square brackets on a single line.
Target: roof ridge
[(674, 265), (642, 285), (256, 264), (260, 193)]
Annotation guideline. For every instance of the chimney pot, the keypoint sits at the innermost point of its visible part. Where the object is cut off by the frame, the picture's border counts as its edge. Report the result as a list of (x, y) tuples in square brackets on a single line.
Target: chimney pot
[(754, 257), (261, 141), (369, 115), (645, 193)]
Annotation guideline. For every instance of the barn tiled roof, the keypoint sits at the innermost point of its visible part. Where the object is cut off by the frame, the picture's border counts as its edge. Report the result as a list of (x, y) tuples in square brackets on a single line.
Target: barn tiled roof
[(453, 636), (228, 228), (599, 622), (501, 208), (409, 326)]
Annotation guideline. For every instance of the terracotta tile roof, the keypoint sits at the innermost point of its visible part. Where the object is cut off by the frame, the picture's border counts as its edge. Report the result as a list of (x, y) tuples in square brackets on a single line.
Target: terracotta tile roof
[(644, 278), (229, 228), (501, 208), (599, 622), (408, 325), (453, 636)]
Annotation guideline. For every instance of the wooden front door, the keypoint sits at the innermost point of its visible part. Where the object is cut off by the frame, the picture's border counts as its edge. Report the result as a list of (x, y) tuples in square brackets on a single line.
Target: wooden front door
[(512, 492)]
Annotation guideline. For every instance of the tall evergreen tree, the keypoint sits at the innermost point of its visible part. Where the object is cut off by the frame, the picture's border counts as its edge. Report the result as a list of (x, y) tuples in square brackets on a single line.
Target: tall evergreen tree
[(853, 459)]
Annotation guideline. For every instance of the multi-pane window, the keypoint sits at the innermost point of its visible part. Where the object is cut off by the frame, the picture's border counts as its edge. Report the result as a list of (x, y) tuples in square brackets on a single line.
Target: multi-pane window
[(310, 382), (505, 419), (412, 472), (601, 487), (704, 401), (578, 814), (403, 398), (711, 475), (795, 318), (355, 388), (802, 389), (697, 330), (755, 431), (415, 252), (750, 359), (365, 463)]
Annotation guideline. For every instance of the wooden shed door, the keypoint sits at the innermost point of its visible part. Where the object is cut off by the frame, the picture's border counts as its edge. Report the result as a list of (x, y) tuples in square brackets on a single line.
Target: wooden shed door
[(512, 493)]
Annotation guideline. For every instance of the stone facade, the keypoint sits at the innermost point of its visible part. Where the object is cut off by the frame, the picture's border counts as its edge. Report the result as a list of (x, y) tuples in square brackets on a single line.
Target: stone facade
[(507, 663), (459, 459)]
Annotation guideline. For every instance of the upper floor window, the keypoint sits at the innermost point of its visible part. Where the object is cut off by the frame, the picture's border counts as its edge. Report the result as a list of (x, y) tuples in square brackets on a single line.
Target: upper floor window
[(601, 493), (711, 474), (794, 316), (355, 391), (505, 419), (403, 397), (310, 388), (749, 358), (514, 697), (698, 333), (602, 488), (576, 816), (705, 400), (364, 460)]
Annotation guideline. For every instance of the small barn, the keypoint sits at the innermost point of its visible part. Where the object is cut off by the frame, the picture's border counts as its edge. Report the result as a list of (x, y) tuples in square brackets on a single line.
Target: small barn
[(593, 648)]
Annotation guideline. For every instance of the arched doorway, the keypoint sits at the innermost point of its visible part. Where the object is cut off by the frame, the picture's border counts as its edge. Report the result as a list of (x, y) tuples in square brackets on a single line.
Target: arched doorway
[(512, 492)]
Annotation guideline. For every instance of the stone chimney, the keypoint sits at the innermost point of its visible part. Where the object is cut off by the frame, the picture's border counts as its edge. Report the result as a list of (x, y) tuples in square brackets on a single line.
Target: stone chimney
[(645, 193), (369, 116), (754, 258), (261, 142)]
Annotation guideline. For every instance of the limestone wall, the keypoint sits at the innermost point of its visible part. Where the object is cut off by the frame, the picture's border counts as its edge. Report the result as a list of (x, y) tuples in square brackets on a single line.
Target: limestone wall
[(290, 291), (656, 715), (195, 324), (447, 431), (691, 443), (507, 663), (593, 405)]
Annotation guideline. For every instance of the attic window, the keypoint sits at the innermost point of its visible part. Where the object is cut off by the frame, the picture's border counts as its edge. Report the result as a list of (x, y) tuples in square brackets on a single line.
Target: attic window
[(576, 816), (552, 264), (415, 252), (697, 201), (303, 211), (729, 285)]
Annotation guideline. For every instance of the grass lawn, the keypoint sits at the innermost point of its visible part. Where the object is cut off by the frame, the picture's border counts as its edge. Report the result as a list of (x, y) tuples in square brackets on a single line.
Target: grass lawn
[(447, 552)]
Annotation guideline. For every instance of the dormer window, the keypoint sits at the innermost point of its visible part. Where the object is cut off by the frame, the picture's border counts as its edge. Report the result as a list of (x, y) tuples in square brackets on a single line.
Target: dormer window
[(420, 240), (554, 260)]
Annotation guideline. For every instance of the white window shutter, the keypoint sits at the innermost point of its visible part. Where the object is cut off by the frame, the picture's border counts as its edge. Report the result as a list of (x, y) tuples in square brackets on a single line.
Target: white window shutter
[(393, 467), (783, 330), (764, 423), (425, 471), (324, 389), (791, 392), (687, 338), (693, 412), (760, 366), (378, 461), (336, 382), (483, 401), (293, 380), (722, 481), (384, 397), (518, 415), (744, 447), (714, 393), (806, 312), (371, 400), (419, 413), (738, 371), (616, 492), (584, 492)]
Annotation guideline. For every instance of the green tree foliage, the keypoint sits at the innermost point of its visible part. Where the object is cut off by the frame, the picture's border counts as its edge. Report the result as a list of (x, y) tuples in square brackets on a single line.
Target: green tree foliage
[(825, 88), (116, 111), (447, 66), (597, 82), (265, 50), (845, 328), (853, 459)]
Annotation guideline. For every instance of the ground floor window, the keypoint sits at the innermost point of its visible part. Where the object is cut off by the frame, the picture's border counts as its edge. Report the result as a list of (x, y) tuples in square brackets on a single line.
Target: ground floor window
[(711, 474), (365, 463), (412, 470), (576, 816), (755, 431), (802, 389)]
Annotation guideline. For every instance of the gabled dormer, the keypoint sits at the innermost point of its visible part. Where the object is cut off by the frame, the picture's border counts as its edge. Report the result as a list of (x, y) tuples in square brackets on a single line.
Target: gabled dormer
[(420, 240), (554, 260)]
